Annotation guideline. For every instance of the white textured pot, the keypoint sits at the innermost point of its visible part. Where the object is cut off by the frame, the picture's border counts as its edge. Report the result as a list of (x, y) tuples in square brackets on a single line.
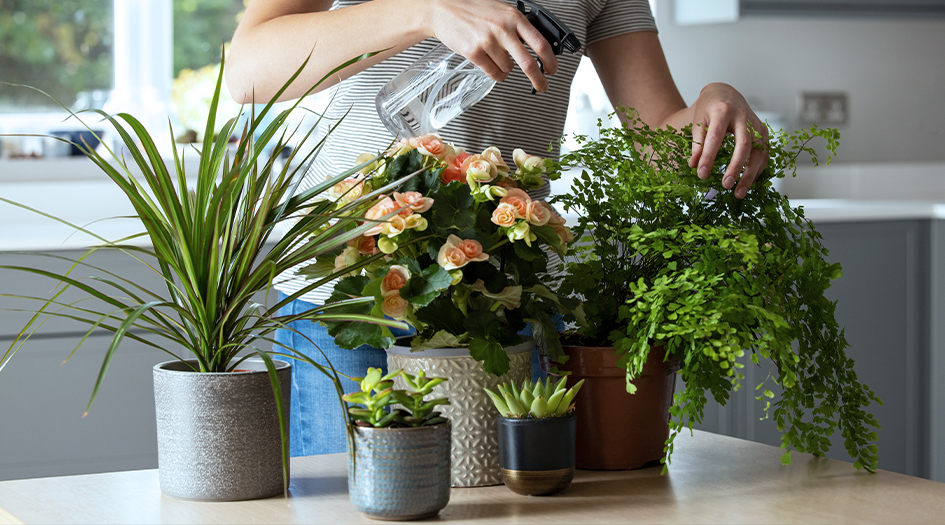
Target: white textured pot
[(218, 433), (475, 453)]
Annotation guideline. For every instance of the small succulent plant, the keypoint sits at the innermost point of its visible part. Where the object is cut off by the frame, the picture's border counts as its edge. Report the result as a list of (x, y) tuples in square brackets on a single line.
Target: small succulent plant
[(377, 394), (535, 400)]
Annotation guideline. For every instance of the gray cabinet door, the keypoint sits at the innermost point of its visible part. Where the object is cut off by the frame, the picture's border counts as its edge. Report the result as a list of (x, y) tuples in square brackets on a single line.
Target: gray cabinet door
[(883, 306)]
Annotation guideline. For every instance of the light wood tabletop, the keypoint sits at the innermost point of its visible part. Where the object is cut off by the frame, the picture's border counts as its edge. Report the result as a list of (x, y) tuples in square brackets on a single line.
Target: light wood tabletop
[(712, 479)]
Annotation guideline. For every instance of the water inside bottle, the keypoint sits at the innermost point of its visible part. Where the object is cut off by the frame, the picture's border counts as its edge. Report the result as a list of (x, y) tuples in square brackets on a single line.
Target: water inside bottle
[(425, 98)]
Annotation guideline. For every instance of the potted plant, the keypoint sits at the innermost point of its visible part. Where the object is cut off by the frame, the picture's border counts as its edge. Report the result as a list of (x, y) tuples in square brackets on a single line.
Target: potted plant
[(537, 428), (464, 265), (221, 413), (679, 274), (398, 458)]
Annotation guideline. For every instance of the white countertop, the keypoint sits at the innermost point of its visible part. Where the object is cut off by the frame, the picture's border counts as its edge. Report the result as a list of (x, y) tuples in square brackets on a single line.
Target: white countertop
[(74, 190)]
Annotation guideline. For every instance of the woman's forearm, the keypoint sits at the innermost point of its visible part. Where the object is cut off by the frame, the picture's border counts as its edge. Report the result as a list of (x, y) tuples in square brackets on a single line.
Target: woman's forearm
[(276, 36)]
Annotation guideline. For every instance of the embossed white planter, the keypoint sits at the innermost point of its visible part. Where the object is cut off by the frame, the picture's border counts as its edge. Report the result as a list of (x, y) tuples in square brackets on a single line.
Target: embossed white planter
[(475, 453)]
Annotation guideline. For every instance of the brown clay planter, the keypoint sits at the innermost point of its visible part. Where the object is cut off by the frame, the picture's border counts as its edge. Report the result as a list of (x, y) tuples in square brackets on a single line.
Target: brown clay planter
[(617, 430)]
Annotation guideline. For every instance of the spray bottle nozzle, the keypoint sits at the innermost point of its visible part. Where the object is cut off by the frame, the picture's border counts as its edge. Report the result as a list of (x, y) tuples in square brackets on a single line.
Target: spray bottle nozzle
[(556, 32)]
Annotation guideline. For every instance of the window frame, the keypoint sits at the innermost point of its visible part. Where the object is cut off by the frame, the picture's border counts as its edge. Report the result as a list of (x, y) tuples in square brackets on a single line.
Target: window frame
[(142, 74)]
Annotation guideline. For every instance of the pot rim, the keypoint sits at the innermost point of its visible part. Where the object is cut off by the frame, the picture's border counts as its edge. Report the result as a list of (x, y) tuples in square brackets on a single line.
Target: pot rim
[(534, 420), (163, 368), (458, 352), (446, 423)]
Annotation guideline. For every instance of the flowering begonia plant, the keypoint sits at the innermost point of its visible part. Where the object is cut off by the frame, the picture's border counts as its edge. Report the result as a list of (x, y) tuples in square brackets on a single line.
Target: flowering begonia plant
[(459, 251)]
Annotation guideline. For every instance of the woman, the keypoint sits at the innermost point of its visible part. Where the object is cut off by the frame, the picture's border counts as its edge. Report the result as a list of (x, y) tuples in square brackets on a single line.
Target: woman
[(274, 37)]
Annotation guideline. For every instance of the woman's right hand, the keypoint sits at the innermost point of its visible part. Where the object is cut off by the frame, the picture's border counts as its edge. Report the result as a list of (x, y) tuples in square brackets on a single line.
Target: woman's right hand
[(491, 34), (276, 36)]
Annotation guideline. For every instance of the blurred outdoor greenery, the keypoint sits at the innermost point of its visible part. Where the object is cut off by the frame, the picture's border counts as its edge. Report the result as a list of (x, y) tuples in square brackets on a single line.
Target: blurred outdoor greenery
[(64, 47), (60, 46)]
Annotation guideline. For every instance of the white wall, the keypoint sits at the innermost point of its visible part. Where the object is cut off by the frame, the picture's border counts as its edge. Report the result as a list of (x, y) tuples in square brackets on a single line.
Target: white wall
[(893, 71)]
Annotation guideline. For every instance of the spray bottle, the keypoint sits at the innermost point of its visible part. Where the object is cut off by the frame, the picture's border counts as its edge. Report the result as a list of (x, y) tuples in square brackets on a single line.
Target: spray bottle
[(442, 84)]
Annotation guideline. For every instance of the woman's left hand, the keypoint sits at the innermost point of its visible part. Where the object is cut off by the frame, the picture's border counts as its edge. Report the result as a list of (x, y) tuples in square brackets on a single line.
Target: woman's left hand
[(720, 110)]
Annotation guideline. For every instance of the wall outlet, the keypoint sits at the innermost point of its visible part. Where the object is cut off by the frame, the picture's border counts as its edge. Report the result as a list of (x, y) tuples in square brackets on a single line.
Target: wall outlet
[(822, 108)]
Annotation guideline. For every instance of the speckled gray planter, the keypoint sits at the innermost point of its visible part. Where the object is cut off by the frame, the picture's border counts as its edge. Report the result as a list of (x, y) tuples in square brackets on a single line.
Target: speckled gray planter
[(218, 433), (402, 473)]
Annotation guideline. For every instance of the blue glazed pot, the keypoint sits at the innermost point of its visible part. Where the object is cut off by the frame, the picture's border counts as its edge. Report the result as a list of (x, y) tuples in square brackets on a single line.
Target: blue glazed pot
[(400, 473)]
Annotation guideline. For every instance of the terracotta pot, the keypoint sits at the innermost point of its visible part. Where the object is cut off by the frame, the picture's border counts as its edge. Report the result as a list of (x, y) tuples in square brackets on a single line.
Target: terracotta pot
[(617, 430)]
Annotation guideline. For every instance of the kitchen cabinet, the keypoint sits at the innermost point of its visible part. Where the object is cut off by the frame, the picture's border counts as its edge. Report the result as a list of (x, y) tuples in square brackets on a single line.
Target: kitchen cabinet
[(890, 301), (43, 396)]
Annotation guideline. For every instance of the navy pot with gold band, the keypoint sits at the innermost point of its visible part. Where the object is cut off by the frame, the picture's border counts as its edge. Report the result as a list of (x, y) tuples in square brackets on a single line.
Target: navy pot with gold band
[(536, 456)]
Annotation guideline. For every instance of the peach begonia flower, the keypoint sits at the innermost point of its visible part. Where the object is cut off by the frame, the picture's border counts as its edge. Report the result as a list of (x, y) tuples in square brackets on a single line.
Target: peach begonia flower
[(385, 207), (394, 226), (454, 168), (395, 306), (416, 221), (472, 250), (527, 162), (387, 245), (395, 279), (495, 157), (504, 214), (348, 190), (364, 157), (519, 200), (522, 232), (554, 218), (565, 234), (479, 169), (365, 245), (536, 214), (413, 201), (432, 146), (346, 258), (522, 194), (402, 146), (452, 255)]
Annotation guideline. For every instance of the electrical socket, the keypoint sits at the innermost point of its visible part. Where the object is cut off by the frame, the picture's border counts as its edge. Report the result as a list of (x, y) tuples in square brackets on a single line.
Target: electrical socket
[(829, 108)]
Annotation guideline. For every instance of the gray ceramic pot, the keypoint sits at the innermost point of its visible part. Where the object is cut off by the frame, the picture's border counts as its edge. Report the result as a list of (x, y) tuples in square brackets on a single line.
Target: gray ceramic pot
[(400, 473), (218, 433)]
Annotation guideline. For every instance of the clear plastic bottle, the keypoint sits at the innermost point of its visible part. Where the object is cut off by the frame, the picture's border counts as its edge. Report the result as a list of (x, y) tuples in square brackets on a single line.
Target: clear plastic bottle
[(442, 83), (431, 92)]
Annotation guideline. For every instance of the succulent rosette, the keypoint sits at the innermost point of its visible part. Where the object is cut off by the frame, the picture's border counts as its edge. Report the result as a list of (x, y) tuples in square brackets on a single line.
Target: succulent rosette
[(452, 245)]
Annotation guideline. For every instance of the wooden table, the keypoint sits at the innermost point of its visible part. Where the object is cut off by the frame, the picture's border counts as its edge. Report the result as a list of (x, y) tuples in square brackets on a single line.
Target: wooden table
[(713, 479)]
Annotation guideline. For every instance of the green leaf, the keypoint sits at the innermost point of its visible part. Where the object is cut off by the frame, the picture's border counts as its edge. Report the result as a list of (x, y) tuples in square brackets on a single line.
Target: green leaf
[(442, 315), (452, 208), (424, 287), (484, 346), (441, 339), (490, 353)]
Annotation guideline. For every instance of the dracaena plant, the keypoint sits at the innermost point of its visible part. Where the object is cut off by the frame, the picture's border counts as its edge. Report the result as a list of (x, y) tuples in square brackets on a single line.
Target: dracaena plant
[(465, 256), (536, 400), (373, 403), (213, 235), (670, 259)]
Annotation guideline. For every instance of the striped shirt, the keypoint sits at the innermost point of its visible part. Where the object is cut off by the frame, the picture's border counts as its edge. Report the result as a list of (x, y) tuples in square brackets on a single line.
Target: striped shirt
[(508, 117)]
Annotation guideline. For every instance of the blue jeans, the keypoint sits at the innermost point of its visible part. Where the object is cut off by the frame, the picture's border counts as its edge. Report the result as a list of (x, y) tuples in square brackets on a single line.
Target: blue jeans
[(316, 422)]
